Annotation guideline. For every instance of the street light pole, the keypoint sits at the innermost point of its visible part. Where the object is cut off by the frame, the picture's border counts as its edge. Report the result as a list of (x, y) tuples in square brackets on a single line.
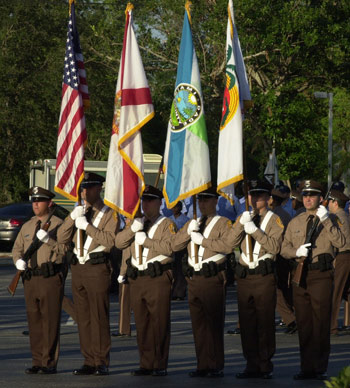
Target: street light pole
[(330, 132)]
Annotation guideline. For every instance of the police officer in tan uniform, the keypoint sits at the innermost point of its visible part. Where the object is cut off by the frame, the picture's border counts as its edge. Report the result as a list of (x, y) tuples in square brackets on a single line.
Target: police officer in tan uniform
[(91, 273), (206, 279), (256, 285), (313, 298), (336, 205), (43, 281), (149, 272)]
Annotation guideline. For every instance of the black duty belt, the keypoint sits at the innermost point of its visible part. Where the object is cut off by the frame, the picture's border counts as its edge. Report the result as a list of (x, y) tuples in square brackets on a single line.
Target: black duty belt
[(46, 270), (218, 268), (151, 272)]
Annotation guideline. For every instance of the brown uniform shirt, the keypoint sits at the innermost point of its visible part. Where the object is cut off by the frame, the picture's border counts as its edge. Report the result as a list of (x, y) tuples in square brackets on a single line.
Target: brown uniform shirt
[(344, 225), (218, 240), (103, 235), (160, 244), (50, 251), (329, 236), (270, 240)]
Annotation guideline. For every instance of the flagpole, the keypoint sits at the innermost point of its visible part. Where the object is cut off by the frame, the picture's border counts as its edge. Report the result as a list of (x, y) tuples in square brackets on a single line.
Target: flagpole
[(194, 204), (245, 187), (160, 169), (81, 234)]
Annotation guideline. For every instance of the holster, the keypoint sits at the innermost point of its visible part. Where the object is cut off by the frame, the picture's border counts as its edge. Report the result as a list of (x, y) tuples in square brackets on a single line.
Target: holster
[(240, 272), (71, 258), (325, 262), (26, 274), (187, 270), (47, 269), (131, 272)]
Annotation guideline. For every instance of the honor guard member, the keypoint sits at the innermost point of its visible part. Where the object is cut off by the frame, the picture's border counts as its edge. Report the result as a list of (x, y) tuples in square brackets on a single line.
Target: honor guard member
[(336, 205), (93, 226), (42, 279), (313, 298), (206, 280), (149, 273), (256, 285)]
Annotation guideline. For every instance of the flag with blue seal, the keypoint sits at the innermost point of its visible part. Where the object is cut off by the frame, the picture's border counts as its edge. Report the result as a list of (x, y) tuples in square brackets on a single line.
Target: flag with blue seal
[(186, 157)]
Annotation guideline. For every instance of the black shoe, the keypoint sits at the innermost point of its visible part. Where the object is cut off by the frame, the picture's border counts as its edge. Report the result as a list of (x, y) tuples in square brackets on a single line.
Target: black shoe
[(84, 370), (47, 371), (198, 373), (304, 376), (101, 370), (141, 372), (266, 375), (159, 372), (248, 375), (321, 376), (235, 331), (291, 328), (280, 323), (33, 370), (116, 334), (216, 373), (25, 332)]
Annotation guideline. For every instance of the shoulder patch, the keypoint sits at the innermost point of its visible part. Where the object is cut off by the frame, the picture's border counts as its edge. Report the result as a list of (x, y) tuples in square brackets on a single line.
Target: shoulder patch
[(172, 228), (279, 223), (339, 222), (229, 223)]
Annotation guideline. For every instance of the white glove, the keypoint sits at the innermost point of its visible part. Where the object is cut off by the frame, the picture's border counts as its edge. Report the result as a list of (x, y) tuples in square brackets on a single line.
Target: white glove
[(42, 235), (140, 237), (322, 213), (193, 226), (137, 225), (21, 265), (197, 238), (245, 217), (303, 250), (121, 279), (250, 227), (81, 223), (78, 211)]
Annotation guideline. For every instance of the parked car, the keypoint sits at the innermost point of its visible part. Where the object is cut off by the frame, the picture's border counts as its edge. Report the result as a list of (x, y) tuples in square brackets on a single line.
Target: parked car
[(13, 216)]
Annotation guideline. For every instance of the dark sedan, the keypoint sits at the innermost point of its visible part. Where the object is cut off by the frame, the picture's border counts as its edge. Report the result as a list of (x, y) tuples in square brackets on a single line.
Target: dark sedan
[(13, 216)]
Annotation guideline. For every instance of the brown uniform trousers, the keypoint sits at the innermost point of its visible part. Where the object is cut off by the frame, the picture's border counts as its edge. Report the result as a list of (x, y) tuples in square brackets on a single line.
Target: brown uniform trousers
[(206, 299), (313, 303), (207, 295), (257, 297), (91, 285), (150, 302), (342, 270), (150, 296), (43, 298)]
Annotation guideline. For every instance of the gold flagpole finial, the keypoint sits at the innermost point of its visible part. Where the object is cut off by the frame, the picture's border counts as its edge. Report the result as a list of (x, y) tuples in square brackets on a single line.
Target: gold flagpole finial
[(188, 10), (128, 8), (70, 5)]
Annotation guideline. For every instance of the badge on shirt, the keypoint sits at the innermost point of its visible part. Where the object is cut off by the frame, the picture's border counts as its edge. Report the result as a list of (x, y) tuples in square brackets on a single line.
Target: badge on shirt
[(279, 223), (172, 229)]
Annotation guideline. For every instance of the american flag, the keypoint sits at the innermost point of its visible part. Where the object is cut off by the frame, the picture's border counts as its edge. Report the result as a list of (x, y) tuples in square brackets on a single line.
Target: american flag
[(72, 134)]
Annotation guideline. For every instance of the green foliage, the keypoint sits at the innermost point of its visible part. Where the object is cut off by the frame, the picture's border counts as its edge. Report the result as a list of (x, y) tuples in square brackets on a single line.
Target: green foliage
[(342, 381), (291, 49)]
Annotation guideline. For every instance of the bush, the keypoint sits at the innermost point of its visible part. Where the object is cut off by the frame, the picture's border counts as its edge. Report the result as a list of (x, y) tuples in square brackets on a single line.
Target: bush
[(342, 381)]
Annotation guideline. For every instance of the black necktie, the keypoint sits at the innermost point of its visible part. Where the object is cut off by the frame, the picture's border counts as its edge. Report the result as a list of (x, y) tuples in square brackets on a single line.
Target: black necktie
[(146, 225), (310, 222), (34, 257)]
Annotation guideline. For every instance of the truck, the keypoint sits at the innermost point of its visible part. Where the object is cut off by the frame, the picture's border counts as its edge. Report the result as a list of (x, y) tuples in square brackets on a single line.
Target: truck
[(42, 173)]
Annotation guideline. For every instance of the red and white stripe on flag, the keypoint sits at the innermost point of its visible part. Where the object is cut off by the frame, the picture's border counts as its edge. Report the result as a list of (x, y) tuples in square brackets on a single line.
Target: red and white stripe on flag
[(72, 134), (133, 108)]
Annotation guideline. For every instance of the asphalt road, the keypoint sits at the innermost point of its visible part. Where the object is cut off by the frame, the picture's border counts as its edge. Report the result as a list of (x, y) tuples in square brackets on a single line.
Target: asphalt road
[(15, 353)]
